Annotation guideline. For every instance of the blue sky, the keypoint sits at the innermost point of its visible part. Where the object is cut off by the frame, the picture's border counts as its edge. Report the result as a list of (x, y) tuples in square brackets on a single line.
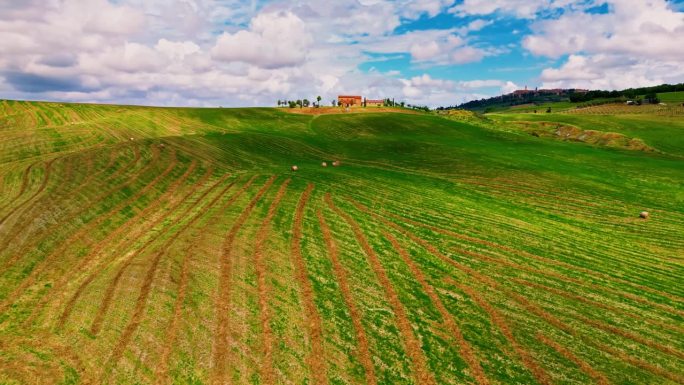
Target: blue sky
[(241, 53)]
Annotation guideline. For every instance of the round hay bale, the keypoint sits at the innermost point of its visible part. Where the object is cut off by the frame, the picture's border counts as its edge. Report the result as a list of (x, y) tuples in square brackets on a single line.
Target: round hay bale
[(132, 138), (336, 163), (294, 168), (643, 215), (324, 164)]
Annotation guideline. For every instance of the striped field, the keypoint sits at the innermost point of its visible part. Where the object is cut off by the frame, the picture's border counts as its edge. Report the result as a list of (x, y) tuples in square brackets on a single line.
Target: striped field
[(160, 245)]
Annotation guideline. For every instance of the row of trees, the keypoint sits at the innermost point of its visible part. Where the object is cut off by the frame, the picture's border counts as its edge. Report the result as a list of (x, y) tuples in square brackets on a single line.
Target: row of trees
[(300, 103)]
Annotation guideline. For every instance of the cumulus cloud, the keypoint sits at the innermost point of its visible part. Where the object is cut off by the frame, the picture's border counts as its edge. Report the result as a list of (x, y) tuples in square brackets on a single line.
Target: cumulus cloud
[(634, 44), (273, 40)]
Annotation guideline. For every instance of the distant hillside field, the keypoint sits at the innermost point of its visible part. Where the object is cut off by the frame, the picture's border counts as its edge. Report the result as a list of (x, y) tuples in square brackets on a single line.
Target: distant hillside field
[(143, 245)]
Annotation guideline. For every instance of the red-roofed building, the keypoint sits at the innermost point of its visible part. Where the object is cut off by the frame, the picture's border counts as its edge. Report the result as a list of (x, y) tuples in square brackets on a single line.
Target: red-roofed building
[(348, 101), (375, 102)]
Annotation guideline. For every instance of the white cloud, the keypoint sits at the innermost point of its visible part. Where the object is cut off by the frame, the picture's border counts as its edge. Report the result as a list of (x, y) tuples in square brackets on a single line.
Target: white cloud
[(274, 40), (634, 44)]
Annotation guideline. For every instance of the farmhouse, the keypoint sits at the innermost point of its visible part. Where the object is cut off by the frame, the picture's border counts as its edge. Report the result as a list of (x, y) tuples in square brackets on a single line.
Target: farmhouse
[(374, 102), (349, 100)]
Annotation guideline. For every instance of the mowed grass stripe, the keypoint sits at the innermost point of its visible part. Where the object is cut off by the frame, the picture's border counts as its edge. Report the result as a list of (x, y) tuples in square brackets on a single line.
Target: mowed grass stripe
[(412, 344), (161, 372), (341, 276), (146, 229), (536, 310), (220, 355), (41, 188)]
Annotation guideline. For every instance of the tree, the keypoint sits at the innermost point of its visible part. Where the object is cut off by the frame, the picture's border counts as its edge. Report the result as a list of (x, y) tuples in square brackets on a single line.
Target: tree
[(292, 104), (318, 99), (652, 98), (334, 103), (548, 110), (305, 103), (402, 104)]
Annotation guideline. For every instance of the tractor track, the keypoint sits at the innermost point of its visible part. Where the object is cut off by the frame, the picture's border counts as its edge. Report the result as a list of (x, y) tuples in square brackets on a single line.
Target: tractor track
[(146, 287), (465, 349), (113, 285), (161, 372), (220, 345), (413, 346), (341, 276), (98, 249)]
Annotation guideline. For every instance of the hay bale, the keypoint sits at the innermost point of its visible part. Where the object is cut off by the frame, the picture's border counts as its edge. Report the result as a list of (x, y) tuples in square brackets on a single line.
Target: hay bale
[(643, 215), (132, 138), (336, 163), (324, 164), (294, 168)]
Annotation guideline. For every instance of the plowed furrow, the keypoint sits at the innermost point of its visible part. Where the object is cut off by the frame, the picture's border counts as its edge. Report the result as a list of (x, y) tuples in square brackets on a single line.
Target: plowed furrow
[(47, 262), (220, 346), (96, 249), (413, 346), (113, 285), (50, 231), (266, 371), (454, 330), (598, 377), (500, 322), (161, 372), (526, 254), (363, 352), (114, 235), (41, 188), (146, 288)]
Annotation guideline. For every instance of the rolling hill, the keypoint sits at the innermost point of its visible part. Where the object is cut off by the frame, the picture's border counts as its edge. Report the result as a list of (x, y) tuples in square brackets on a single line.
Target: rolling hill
[(174, 245)]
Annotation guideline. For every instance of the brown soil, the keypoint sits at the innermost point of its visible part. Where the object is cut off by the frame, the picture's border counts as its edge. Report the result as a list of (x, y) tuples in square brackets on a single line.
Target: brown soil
[(316, 357), (266, 371), (363, 352), (413, 347), (598, 377), (455, 331), (220, 355)]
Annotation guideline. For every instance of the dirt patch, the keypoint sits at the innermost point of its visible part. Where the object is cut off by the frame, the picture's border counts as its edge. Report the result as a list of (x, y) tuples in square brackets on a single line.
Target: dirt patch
[(220, 355), (413, 347), (363, 353)]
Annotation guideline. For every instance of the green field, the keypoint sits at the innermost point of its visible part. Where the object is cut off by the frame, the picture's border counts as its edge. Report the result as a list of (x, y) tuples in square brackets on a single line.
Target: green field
[(174, 245)]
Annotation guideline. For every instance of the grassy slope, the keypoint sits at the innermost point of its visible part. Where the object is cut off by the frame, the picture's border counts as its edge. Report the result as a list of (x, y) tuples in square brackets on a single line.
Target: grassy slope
[(526, 244)]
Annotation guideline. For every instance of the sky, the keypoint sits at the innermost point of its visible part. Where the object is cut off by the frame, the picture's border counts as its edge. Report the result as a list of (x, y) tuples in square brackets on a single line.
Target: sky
[(252, 53)]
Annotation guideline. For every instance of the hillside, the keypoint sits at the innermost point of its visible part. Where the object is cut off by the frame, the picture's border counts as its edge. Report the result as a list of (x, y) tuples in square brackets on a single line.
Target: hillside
[(174, 245)]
